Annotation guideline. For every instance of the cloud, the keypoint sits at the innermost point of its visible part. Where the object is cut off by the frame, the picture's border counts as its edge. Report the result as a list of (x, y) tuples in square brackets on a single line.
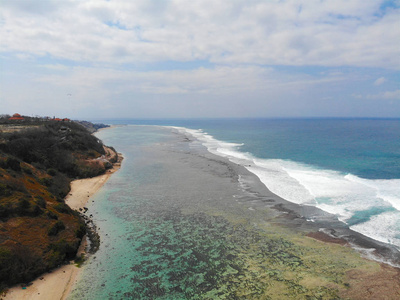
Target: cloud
[(388, 95), (101, 83), (394, 95), (31, 7), (379, 81), (252, 56), (328, 33)]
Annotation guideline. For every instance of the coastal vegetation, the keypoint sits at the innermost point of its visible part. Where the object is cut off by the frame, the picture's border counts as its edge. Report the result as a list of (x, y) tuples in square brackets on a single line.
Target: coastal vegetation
[(38, 159)]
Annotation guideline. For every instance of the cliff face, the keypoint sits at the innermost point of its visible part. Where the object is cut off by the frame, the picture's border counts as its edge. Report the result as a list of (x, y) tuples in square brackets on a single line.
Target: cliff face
[(91, 127), (38, 231)]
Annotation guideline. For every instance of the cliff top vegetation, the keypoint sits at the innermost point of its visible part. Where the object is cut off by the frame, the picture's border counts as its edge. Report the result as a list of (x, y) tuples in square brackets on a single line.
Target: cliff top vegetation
[(38, 159)]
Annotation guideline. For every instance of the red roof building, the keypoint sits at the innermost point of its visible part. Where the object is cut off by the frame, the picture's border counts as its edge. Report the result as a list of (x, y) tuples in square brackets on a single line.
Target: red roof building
[(16, 117)]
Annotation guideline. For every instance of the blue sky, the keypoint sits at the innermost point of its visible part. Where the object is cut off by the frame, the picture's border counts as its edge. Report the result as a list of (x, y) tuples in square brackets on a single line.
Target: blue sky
[(200, 58)]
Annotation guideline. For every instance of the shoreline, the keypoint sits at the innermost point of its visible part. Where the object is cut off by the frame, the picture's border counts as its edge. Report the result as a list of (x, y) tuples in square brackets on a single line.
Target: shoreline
[(58, 283), (255, 198), (328, 228), (325, 227), (209, 200)]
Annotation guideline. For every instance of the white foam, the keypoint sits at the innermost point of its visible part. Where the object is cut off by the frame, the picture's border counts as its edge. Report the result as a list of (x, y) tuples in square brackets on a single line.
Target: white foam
[(383, 227), (340, 194), (277, 180), (386, 189)]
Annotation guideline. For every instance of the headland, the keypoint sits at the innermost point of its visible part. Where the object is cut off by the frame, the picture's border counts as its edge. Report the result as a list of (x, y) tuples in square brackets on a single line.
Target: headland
[(58, 283), (39, 157)]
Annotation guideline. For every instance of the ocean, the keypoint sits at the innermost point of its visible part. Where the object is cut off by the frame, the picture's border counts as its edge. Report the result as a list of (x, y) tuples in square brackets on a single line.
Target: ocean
[(347, 167), (168, 205)]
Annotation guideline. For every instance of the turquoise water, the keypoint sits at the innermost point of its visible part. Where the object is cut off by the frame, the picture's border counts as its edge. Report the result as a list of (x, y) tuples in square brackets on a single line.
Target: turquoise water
[(368, 148), (160, 242), (347, 167), (158, 237)]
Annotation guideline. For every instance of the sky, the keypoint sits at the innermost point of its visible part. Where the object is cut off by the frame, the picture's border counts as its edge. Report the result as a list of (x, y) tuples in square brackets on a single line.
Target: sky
[(97, 59)]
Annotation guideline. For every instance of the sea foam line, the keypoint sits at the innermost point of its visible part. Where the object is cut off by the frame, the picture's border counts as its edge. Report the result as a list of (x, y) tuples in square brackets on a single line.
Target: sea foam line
[(370, 207)]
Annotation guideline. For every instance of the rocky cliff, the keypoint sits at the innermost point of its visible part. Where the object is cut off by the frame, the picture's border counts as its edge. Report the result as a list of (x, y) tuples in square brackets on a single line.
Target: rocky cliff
[(38, 231)]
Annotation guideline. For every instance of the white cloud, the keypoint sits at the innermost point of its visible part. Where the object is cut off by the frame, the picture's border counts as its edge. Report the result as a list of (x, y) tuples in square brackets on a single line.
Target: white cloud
[(298, 33), (111, 54), (102, 83), (388, 95), (379, 81), (394, 95)]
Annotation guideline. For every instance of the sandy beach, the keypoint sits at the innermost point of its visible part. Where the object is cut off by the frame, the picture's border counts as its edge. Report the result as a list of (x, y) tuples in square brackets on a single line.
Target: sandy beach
[(58, 283)]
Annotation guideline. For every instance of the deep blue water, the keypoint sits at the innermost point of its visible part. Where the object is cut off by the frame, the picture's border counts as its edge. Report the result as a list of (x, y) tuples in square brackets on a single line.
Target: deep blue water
[(348, 167), (149, 248), (368, 148)]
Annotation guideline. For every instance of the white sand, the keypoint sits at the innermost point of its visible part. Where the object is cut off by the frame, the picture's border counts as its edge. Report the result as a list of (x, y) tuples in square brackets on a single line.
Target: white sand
[(51, 286)]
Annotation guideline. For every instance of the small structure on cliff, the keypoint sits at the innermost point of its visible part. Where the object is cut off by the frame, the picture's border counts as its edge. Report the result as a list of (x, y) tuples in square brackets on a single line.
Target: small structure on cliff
[(17, 117)]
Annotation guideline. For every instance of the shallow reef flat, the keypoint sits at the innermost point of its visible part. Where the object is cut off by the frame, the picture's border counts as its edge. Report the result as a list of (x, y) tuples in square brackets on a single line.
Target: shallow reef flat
[(180, 223)]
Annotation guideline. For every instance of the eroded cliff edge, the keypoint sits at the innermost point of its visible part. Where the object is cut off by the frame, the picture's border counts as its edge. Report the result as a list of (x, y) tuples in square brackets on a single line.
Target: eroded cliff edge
[(38, 160)]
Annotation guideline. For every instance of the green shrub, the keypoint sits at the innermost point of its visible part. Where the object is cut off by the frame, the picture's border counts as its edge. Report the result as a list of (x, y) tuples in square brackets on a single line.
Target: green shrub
[(5, 190), (18, 264), (13, 164), (27, 170), (59, 186), (81, 231), (51, 172), (80, 260), (5, 265), (36, 211), (51, 215), (41, 202), (92, 154), (62, 250), (46, 181), (63, 208), (56, 228), (52, 146), (85, 169), (23, 206), (4, 212)]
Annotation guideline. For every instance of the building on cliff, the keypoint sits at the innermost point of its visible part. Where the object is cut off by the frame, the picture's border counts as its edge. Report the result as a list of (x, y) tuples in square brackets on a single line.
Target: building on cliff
[(16, 117)]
